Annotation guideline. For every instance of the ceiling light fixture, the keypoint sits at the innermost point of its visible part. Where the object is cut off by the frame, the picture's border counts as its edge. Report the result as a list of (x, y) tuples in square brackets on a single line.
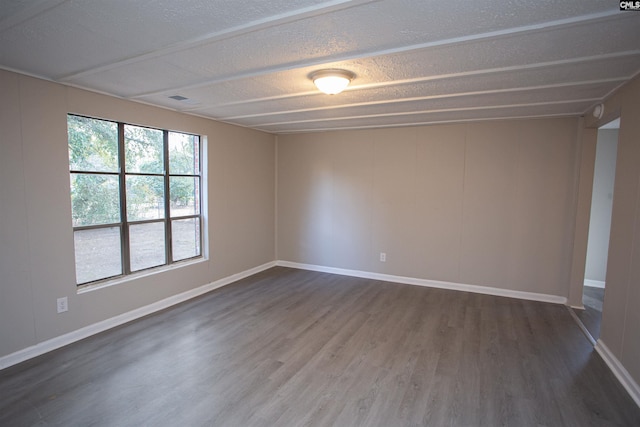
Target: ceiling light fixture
[(598, 111), (331, 82)]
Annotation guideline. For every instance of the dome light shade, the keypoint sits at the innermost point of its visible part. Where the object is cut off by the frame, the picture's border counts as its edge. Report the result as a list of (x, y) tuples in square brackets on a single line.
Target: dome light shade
[(598, 111), (331, 82)]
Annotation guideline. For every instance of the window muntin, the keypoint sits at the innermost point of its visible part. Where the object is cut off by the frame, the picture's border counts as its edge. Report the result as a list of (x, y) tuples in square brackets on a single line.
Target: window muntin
[(135, 196)]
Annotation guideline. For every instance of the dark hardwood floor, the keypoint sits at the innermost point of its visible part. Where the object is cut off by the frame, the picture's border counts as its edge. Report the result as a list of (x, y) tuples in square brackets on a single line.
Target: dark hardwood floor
[(293, 348)]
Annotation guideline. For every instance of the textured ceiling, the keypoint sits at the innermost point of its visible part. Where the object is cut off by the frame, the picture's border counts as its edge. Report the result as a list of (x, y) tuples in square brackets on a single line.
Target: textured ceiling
[(247, 61)]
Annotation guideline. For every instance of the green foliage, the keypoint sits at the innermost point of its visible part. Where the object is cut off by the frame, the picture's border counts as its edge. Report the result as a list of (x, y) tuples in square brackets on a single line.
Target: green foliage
[(183, 159), (144, 151), (93, 147), (93, 144), (94, 199), (183, 154), (145, 197)]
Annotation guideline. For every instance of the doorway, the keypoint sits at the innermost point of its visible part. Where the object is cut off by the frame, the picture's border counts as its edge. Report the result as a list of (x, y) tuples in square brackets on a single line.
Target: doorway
[(599, 228)]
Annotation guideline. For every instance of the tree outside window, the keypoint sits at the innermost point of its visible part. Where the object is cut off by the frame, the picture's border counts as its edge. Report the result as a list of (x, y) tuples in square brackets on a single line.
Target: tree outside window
[(135, 197)]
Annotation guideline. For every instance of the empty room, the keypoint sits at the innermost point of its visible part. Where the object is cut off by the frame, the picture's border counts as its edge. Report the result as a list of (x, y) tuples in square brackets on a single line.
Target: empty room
[(319, 213)]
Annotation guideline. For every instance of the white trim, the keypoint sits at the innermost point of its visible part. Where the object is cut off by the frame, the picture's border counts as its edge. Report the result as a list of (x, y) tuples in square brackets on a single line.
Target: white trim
[(90, 287), (87, 331), (594, 283), (532, 296), (619, 371)]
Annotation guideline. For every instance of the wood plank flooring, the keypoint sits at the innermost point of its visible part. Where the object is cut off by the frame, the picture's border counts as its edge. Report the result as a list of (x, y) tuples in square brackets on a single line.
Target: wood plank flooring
[(296, 348)]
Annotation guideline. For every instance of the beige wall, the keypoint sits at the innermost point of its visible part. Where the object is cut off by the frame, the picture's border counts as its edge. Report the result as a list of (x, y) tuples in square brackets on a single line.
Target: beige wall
[(487, 203), (36, 239), (621, 317), (501, 204)]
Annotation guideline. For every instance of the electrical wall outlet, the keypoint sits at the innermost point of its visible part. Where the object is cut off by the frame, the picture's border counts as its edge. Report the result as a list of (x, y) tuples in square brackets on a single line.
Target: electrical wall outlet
[(63, 305), (383, 257)]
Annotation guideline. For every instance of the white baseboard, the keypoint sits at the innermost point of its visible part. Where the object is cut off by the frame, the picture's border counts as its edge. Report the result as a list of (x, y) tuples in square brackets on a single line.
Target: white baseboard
[(594, 283), (87, 331), (619, 371), (532, 296)]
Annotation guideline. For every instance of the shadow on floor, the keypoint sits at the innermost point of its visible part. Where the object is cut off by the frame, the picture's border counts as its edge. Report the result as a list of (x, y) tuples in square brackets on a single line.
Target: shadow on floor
[(591, 316)]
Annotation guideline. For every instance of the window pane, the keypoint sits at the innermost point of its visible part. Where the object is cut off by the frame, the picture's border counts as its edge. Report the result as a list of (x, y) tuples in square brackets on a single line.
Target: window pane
[(185, 238), (97, 254), (145, 197), (95, 199), (146, 245), (93, 144), (143, 150), (185, 196), (184, 154)]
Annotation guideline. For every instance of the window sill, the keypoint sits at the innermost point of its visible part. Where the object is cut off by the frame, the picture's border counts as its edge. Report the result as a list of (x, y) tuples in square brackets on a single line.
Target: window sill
[(134, 276)]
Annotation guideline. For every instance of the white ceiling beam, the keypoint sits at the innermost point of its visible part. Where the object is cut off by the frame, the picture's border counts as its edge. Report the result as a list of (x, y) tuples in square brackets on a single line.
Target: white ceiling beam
[(216, 36), (421, 123), (527, 29), (30, 12), (428, 97), (442, 110), (573, 61)]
